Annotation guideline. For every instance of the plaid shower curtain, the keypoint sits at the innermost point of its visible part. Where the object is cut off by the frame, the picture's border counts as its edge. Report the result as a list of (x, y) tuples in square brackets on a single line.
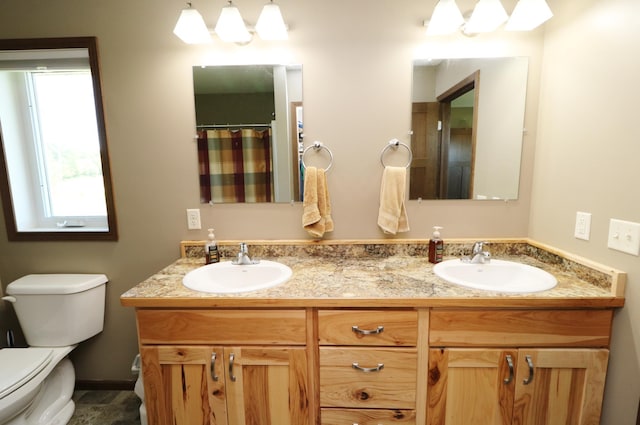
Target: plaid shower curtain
[(235, 165)]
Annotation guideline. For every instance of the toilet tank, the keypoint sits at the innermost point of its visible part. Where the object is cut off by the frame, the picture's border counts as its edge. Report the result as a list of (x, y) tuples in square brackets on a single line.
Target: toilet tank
[(55, 310)]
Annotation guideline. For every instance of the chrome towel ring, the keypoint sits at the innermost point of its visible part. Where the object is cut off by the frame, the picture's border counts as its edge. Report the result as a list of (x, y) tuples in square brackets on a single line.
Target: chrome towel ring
[(395, 143), (316, 146)]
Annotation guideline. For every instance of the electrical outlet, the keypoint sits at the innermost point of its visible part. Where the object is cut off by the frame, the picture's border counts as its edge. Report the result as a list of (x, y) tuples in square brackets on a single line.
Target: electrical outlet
[(624, 236), (193, 219), (583, 225)]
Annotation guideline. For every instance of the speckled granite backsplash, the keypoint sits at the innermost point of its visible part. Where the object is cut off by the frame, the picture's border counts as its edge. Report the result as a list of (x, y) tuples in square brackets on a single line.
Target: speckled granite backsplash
[(364, 249)]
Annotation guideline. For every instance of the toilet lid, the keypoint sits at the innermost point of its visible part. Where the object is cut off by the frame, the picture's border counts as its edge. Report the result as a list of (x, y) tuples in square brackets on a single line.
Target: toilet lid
[(19, 365)]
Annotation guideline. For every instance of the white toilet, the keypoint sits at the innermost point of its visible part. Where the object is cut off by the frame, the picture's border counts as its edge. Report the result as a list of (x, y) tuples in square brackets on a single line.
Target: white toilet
[(56, 312)]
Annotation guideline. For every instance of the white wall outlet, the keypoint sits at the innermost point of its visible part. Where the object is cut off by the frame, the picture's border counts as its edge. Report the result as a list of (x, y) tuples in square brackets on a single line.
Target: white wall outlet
[(583, 225), (193, 219), (624, 236)]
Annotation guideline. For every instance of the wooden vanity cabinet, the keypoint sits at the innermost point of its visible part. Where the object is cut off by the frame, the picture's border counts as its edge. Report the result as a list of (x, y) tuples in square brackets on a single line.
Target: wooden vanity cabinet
[(368, 364), (525, 367), (384, 366), (224, 367)]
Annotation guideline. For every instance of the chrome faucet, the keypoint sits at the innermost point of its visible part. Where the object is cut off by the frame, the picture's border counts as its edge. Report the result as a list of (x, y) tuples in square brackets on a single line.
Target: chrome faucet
[(478, 254), (243, 256)]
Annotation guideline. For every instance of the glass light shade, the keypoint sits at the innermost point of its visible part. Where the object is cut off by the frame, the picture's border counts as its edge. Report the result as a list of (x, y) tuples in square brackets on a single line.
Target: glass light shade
[(191, 28), (446, 18), (270, 25), (231, 27), (528, 15), (487, 16)]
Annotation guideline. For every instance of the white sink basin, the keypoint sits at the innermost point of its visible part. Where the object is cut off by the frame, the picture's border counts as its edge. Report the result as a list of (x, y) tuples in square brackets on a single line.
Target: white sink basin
[(497, 275), (228, 278)]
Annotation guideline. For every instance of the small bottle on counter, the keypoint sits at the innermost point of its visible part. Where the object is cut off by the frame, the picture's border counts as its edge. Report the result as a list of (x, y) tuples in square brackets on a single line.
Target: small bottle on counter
[(211, 253), (436, 246)]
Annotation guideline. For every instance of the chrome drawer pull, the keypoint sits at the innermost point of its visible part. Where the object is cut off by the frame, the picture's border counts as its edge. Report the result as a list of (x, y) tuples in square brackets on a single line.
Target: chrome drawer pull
[(510, 363), (231, 359), (213, 367), (368, 369), (528, 380), (376, 331)]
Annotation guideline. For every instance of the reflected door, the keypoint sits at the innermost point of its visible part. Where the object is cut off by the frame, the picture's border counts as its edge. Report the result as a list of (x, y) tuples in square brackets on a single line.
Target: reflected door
[(425, 146)]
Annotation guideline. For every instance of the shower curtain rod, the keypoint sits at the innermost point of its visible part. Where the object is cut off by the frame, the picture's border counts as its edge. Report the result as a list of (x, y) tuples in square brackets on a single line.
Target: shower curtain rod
[(232, 125)]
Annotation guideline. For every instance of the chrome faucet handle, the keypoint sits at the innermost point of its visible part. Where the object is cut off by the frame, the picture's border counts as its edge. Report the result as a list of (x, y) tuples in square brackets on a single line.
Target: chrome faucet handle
[(478, 254), (478, 247), (243, 256)]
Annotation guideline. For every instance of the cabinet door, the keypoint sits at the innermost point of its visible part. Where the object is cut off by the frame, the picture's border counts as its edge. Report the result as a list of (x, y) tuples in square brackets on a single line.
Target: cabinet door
[(266, 386), (471, 386), (184, 385), (560, 386)]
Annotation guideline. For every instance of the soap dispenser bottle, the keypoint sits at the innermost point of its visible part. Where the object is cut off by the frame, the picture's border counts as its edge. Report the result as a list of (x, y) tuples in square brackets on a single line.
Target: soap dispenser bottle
[(436, 246), (212, 255)]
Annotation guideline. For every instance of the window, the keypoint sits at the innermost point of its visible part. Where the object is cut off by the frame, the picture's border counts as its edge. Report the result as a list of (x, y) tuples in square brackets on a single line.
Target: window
[(53, 142)]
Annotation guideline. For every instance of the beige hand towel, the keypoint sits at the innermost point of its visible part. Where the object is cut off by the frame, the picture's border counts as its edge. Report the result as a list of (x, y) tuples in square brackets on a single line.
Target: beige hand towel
[(316, 206), (392, 215), (324, 202)]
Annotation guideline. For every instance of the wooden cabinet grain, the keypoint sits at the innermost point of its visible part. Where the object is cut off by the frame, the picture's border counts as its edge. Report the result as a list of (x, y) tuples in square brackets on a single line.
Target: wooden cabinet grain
[(368, 364), (188, 384), (476, 377), (525, 387)]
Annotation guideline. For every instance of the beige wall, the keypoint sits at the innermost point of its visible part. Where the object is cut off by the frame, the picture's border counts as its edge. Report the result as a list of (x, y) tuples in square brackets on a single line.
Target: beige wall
[(357, 90), (587, 159)]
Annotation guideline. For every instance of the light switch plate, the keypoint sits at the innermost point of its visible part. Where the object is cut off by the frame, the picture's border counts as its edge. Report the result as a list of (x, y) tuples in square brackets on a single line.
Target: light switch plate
[(583, 225), (624, 236), (193, 219)]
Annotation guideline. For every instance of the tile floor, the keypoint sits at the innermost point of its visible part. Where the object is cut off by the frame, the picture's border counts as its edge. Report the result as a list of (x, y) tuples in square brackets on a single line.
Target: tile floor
[(105, 408)]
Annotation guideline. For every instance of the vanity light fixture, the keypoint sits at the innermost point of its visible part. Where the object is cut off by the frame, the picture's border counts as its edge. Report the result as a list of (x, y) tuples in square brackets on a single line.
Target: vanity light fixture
[(446, 18), (487, 16), (529, 14), (191, 28), (231, 27), (270, 25)]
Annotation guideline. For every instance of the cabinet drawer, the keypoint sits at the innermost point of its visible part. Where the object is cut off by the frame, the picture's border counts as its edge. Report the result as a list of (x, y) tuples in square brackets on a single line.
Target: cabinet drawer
[(386, 378), (368, 327), (520, 328), (194, 326), (367, 417)]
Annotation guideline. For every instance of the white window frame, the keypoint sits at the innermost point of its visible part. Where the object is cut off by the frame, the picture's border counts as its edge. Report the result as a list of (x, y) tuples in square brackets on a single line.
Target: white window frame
[(42, 197)]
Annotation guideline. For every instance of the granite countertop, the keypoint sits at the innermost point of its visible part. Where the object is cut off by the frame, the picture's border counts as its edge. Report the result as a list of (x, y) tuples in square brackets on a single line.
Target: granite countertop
[(397, 278)]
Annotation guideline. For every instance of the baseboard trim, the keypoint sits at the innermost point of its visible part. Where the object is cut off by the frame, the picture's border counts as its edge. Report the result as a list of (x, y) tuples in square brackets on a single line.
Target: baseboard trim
[(105, 385)]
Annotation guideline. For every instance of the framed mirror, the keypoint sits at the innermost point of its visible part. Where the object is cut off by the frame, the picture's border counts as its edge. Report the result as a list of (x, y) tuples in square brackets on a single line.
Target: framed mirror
[(467, 125), (55, 180), (249, 121)]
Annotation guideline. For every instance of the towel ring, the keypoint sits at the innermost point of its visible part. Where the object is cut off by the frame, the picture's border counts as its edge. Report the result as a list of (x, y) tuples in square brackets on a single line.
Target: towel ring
[(316, 146), (395, 143)]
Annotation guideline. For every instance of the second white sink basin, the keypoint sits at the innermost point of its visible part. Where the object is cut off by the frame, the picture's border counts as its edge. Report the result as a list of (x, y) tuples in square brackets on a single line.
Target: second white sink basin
[(228, 278), (497, 275)]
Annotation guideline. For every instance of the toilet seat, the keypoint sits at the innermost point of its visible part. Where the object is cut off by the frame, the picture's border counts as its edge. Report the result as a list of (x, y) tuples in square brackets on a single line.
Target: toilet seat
[(19, 365)]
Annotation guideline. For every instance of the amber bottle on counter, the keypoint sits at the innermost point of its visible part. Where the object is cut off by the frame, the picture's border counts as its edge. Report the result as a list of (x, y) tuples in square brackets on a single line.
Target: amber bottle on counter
[(436, 246)]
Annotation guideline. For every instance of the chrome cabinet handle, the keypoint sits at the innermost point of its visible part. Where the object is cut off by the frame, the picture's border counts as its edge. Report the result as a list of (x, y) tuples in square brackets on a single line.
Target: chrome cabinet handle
[(376, 331), (213, 367), (510, 363), (528, 380), (378, 368), (232, 357)]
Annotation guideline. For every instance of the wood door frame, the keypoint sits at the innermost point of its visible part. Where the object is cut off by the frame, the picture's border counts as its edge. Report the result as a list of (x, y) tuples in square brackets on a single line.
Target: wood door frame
[(293, 142), (465, 85)]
